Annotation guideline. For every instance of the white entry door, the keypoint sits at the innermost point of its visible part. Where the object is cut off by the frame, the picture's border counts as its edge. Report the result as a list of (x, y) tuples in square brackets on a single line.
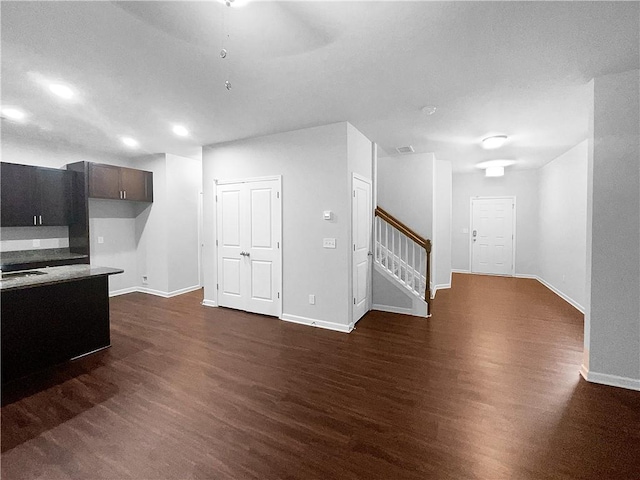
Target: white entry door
[(361, 231), (249, 219), (492, 235)]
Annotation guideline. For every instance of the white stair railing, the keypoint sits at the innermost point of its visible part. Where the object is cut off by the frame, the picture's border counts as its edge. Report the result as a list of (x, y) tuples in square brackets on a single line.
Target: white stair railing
[(402, 253)]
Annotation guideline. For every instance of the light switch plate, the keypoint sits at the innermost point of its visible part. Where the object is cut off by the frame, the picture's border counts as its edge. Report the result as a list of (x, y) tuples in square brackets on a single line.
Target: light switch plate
[(327, 215), (100, 239), (312, 299), (328, 243)]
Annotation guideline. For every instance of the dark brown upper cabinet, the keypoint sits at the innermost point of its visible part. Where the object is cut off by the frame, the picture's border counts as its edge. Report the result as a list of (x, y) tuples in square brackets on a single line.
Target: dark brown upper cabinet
[(35, 196), (120, 183)]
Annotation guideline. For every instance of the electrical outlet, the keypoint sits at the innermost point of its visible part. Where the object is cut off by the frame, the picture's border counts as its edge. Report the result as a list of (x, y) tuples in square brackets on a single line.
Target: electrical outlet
[(36, 243), (145, 279), (100, 239), (312, 299)]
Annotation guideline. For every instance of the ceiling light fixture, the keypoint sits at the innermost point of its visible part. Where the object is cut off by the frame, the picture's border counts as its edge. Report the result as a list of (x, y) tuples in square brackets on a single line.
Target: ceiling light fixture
[(61, 90), (13, 113), (180, 130), (129, 142), (494, 172), (495, 163), (495, 141)]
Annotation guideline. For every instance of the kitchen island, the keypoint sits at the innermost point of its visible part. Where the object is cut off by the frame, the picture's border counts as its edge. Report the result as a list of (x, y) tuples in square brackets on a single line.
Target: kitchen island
[(51, 315)]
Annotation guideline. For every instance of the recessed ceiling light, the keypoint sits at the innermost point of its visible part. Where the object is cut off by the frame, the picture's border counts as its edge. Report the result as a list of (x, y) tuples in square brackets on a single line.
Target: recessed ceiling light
[(180, 130), (494, 172), (495, 141), (495, 163), (61, 90), (129, 142), (13, 113)]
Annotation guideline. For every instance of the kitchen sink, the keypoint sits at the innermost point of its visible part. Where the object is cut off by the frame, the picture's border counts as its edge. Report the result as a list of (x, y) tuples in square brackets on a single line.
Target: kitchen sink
[(26, 273)]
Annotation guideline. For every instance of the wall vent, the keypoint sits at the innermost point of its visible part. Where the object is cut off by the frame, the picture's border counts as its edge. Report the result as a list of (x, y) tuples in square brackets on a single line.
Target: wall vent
[(407, 149)]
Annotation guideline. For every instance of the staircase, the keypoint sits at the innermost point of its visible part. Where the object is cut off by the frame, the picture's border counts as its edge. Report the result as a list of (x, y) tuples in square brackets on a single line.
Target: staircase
[(403, 257)]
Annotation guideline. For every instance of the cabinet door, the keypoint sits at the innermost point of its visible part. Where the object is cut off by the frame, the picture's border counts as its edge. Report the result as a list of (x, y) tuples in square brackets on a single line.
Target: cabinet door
[(54, 197), (18, 187), (104, 181), (136, 185)]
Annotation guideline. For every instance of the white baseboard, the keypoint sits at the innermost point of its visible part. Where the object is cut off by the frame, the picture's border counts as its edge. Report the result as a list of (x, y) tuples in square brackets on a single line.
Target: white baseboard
[(455, 270), (526, 275), (566, 298), (611, 380), (316, 323), (151, 291), (209, 303), (439, 287), (123, 291), (392, 309)]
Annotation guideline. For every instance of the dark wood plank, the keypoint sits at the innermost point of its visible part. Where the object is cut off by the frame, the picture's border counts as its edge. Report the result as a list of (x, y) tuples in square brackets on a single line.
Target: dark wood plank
[(487, 388)]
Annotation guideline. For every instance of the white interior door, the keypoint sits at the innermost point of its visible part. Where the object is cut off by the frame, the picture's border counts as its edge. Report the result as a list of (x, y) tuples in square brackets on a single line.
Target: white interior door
[(248, 236), (361, 233), (492, 235)]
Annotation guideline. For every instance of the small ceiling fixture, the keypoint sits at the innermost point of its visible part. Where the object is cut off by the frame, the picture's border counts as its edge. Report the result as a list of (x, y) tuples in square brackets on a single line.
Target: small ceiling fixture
[(61, 90), (495, 141), (180, 130), (13, 113), (130, 142), (494, 172), (495, 168)]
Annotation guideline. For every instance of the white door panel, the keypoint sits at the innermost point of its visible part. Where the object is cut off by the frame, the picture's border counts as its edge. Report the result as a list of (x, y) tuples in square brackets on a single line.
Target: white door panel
[(492, 235), (249, 225), (361, 233)]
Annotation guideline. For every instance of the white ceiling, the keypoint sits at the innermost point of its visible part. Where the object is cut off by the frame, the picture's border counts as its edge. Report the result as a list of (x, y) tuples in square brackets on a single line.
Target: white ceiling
[(518, 68)]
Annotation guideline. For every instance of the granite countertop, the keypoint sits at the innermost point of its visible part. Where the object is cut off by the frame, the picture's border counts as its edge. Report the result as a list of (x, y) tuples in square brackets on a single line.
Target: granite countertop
[(52, 275), (35, 256)]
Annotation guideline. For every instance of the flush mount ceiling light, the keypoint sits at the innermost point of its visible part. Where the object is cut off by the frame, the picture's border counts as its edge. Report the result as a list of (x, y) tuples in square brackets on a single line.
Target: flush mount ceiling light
[(495, 168), (129, 142), (62, 91), (180, 130), (495, 163), (13, 113), (494, 172), (495, 141)]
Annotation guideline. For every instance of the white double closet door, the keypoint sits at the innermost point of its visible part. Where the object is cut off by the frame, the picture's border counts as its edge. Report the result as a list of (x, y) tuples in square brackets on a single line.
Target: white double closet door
[(249, 219)]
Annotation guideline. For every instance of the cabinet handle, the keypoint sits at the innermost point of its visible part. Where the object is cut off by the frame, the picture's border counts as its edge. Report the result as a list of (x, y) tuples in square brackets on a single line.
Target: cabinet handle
[(125, 194), (40, 219), (35, 221)]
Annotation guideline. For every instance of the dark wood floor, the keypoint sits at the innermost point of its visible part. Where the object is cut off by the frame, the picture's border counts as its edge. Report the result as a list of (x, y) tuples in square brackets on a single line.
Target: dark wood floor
[(488, 388)]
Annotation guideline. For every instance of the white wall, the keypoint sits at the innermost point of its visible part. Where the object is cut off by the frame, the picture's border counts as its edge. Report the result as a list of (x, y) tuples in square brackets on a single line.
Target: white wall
[(313, 165), (405, 190), (523, 184), (441, 248), (562, 231), (184, 183), (612, 316)]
